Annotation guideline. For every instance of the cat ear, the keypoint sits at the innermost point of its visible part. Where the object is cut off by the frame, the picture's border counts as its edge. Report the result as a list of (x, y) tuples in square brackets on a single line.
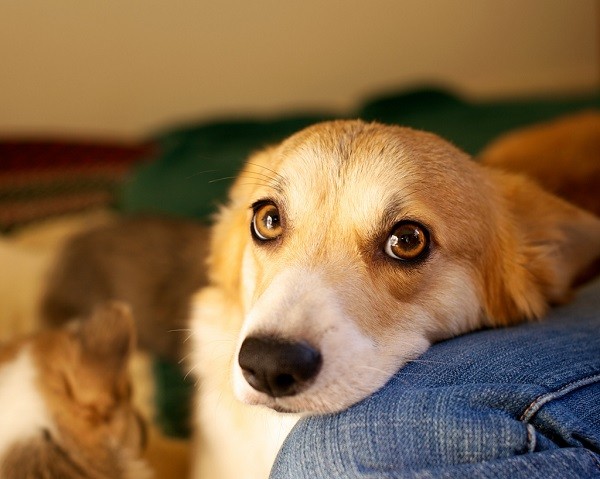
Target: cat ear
[(108, 336), (103, 344), (544, 245)]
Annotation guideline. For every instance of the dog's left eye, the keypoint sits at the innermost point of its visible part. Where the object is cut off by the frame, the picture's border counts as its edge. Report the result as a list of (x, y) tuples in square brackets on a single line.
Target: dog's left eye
[(408, 241), (266, 223)]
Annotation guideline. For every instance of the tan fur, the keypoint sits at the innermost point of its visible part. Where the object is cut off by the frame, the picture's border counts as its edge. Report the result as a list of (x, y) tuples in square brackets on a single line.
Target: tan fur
[(502, 250), (562, 155), (83, 380)]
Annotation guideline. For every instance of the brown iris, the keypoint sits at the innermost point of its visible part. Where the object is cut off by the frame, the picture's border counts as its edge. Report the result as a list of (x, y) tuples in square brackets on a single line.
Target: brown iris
[(408, 241), (266, 222)]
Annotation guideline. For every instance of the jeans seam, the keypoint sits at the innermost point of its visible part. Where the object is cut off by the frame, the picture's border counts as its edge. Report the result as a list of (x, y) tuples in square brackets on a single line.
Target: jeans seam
[(544, 399), (595, 459), (531, 438)]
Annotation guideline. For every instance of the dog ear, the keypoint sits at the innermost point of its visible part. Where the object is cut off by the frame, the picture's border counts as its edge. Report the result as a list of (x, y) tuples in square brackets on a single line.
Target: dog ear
[(543, 245)]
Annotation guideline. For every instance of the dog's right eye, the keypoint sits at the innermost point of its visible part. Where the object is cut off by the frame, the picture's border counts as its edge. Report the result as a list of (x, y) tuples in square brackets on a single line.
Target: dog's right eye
[(408, 241), (266, 222)]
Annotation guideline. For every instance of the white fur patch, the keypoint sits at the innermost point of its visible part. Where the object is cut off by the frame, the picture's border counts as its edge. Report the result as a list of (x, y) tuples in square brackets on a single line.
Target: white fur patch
[(234, 440), (23, 412)]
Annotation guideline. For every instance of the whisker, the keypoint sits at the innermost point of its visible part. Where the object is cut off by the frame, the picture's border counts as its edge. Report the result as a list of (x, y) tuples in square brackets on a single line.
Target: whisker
[(222, 179), (198, 173), (218, 341), (257, 184), (268, 181), (260, 181), (277, 175), (373, 368), (189, 372), (425, 361), (274, 179), (257, 177), (184, 358)]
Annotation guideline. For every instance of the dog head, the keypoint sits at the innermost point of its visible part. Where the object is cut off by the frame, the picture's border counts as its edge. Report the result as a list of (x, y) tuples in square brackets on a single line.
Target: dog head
[(66, 402), (351, 247)]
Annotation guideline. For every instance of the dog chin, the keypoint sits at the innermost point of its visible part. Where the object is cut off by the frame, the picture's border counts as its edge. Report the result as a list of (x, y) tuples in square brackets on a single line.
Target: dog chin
[(304, 404)]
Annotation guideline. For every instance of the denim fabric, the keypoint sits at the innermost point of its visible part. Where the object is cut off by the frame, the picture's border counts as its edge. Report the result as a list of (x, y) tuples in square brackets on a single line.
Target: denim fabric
[(520, 402)]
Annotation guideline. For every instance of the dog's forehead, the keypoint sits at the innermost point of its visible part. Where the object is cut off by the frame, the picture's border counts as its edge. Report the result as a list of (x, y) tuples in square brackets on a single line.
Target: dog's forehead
[(365, 168)]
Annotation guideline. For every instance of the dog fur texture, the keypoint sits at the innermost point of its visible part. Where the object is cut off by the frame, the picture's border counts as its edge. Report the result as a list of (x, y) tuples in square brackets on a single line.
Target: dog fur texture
[(562, 155), (498, 249)]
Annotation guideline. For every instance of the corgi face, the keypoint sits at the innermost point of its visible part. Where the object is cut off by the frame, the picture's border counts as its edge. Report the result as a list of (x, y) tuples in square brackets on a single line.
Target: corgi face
[(351, 247), (65, 401)]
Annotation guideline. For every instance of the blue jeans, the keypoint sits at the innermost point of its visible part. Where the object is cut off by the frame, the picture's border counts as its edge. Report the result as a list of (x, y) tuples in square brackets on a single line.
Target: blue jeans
[(520, 402)]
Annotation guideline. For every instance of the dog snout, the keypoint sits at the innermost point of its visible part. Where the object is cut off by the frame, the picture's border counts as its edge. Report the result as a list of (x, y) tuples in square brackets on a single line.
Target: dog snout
[(278, 367)]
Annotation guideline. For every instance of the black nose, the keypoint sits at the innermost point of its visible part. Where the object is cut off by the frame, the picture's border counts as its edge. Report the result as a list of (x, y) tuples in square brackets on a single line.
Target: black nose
[(278, 367)]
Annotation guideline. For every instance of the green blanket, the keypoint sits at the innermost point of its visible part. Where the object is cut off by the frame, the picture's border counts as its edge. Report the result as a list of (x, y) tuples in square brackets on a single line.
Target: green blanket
[(194, 166)]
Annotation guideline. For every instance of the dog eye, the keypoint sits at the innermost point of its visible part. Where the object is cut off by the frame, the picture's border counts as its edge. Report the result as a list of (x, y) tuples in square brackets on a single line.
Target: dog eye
[(408, 241), (266, 223)]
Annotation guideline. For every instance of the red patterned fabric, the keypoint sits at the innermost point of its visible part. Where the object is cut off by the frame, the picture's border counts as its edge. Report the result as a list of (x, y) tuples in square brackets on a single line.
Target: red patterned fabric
[(41, 178)]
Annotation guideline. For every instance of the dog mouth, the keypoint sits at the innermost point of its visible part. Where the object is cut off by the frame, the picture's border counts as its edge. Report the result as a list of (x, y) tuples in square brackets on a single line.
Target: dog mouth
[(283, 410)]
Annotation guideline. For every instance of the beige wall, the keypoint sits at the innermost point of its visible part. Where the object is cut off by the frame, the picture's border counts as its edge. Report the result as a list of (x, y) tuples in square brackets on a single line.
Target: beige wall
[(127, 67)]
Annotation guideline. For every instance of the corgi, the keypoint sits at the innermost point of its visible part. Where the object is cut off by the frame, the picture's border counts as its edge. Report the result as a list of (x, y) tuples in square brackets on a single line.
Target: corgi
[(346, 251), (65, 402)]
